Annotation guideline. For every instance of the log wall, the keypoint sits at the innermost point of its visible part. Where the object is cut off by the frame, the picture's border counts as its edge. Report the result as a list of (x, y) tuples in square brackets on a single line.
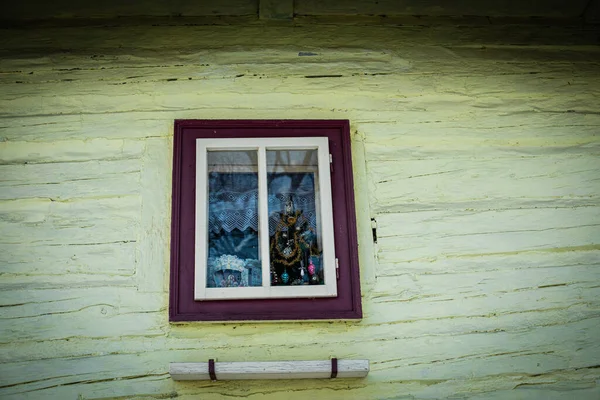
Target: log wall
[(476, 151)]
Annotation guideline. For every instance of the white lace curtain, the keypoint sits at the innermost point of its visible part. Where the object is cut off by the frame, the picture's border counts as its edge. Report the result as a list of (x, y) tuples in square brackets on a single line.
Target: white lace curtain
[(233, 199)]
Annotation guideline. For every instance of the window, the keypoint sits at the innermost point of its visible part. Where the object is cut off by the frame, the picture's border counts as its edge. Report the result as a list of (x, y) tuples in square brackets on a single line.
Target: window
[(263, 221)]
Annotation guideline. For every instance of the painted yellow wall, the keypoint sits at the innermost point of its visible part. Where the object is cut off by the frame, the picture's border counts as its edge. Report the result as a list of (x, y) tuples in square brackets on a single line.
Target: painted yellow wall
[(477, 156)]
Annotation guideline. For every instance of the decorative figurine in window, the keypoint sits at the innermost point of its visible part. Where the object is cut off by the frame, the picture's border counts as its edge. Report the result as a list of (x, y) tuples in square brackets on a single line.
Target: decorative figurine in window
[(292, 246), (228, 271)]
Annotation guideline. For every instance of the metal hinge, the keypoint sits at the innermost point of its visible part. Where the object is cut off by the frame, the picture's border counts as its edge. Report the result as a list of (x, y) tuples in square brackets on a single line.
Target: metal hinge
[(337, 268), (330, 162)]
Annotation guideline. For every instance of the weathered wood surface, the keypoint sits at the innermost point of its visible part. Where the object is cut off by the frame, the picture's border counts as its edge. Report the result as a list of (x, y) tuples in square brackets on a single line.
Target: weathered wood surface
[(35, 9), (479, 159), (552, 8), (237, 370), (276, 9)]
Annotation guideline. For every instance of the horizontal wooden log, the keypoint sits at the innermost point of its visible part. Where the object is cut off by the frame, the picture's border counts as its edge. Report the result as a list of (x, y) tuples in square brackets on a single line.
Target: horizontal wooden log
[(500, 91), (354, 34), (92, 126), (67, 180), (112, 8), (419, 134), (417, 63), (511, 260), (269, 370), (445, 320), (477, 292), (411, 305), (438, 182), (66, 172), (80, 221), (50, 314), (68, 263), (501, 137), (487, 355), (118, 98), (580, 383), (433, 234), (19, 152), (554, 8)]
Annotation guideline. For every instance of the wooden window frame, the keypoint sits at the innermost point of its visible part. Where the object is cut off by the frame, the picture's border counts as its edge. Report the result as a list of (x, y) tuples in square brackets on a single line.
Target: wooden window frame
[(262, 145), (182, 304)]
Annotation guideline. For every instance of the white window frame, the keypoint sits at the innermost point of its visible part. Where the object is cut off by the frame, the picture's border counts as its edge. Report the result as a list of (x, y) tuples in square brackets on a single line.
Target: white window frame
[(323, 186)]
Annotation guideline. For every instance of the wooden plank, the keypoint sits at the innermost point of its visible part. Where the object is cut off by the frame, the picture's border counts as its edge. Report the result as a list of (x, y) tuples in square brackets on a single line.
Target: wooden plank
[(169, 36), (498, 352), (58, 314), (95, 321), (66, 262), (80, 221), (469, 263), (78, 127), (430, 235), (65, 172), (420, 137), (498, 182), (342, 340), (510, 79), (578, 383), (388, 135), (106, 367), (121, 99), (151, 384), (62, 181), (371, 343), (127, 68), (276, 9), (269, 370), (19, 152), (324, 69), (465, 60), (31, 9), (424, 288), (481, 303), (552, 8), (43, 302)]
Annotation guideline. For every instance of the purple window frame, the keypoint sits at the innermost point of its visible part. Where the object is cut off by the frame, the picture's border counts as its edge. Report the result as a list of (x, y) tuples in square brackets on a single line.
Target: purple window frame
[(182, 306)]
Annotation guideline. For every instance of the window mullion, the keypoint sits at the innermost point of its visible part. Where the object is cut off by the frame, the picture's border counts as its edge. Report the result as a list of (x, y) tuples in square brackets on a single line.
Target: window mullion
[(263, 216)]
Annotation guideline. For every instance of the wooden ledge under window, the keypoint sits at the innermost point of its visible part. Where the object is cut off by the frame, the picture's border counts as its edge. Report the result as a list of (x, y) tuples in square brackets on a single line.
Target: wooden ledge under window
[(316, 369)]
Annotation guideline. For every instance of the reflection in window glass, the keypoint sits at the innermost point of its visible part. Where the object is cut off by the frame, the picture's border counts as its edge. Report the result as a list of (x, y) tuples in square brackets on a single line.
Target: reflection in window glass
[(294, 218), (233, 241)]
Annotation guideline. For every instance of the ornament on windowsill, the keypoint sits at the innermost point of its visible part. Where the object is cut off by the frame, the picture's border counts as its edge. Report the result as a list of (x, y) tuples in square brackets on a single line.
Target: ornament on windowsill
[(228, 271), (285, 277), (314, 278), (311, 268), (292, 245), (303, 275)]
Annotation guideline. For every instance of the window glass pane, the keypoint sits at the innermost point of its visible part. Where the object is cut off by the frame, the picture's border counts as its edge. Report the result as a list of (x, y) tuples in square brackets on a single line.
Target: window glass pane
[(294, 218), (233, 241)]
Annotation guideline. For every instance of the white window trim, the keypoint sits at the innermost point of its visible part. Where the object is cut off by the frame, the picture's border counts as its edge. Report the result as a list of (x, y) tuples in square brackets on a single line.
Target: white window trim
[(329, 289)]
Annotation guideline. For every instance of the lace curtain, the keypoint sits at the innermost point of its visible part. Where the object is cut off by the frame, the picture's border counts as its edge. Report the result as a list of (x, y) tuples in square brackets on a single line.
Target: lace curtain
[(233, 199)]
